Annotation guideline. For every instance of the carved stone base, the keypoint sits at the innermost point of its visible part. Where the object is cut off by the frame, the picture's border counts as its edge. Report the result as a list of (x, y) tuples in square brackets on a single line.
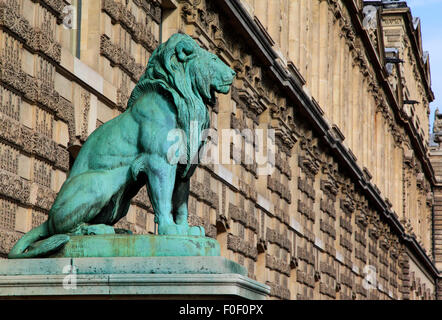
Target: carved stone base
[(124, 245), (124, 277)]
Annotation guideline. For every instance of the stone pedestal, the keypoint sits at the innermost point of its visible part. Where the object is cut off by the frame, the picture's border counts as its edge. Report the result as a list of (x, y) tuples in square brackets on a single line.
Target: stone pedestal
[(145, 245), (190, 277)]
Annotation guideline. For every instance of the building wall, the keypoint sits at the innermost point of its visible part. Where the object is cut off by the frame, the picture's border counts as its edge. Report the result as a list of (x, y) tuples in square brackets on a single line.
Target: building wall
[(350, 194), (436, 158), (436, 161)]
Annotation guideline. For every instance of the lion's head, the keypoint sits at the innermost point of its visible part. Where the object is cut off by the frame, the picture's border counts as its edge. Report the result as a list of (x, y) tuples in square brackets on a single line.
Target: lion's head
[(191, 75), (181, 66), (207, 72)]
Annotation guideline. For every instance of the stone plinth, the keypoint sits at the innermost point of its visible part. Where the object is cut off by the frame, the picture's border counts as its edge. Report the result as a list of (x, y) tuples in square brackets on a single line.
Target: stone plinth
[(123, 245), (123, 277)]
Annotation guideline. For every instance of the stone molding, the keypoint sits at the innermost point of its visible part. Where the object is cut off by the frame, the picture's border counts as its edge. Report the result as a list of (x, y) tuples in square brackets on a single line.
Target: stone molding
[(144, 277), (242, 216), (37, 40), (237, 244), (139, 31), (278, 291), (226, 286), (34, 143), (120, 58)]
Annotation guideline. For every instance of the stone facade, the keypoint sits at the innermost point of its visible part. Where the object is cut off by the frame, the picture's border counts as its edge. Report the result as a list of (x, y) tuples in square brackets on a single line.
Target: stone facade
[(347, 211), (436, 160)]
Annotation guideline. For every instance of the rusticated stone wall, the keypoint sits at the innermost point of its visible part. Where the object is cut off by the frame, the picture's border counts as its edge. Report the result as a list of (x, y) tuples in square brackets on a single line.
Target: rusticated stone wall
[(50, 101), (346, 212)]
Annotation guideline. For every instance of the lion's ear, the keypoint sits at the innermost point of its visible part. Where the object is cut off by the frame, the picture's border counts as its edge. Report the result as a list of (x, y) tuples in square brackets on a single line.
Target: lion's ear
[(185, 51)]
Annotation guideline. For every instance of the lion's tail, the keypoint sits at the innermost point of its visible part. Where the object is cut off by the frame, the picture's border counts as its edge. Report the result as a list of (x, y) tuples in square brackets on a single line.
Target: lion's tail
[(24, 249)]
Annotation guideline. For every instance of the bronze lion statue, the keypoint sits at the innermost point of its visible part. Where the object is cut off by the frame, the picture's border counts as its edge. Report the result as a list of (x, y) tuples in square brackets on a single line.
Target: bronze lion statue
[(131, 151)]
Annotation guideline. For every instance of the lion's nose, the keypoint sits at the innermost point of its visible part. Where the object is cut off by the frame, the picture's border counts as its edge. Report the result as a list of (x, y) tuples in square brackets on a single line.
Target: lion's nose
[(233, 73)]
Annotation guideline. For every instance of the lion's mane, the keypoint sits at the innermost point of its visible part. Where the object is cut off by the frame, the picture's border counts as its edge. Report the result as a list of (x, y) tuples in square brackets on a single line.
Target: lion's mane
[(166, 73)]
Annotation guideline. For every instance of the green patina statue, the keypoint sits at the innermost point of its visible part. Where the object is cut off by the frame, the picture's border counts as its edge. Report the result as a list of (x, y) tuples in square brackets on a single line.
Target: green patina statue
[(133, 150)]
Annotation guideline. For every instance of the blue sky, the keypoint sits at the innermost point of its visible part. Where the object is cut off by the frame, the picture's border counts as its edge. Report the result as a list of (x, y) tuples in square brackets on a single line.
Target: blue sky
[(430, 13)]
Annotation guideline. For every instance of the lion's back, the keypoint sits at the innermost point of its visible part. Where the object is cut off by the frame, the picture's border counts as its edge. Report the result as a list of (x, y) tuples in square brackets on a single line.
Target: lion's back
[(102, 146)]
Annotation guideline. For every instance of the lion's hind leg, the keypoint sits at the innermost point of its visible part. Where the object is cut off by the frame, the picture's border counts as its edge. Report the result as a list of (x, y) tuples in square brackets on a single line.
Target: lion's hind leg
[(82, 198)]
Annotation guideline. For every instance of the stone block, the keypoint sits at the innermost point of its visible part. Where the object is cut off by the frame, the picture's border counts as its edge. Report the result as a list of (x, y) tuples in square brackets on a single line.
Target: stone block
[(265, 203), (131, 214), (27, 114), (63, 86), (63, 133), (60, 178), (24, 167), (23, 220), (109, 91), (28, 63), (92, 116), (67, 60), (88, 75), (104, 113), (29, 13), (107, 25)]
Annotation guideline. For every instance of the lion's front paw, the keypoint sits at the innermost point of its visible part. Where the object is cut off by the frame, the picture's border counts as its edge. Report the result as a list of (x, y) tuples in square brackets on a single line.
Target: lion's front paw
[(196, 231), (171, 229)]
